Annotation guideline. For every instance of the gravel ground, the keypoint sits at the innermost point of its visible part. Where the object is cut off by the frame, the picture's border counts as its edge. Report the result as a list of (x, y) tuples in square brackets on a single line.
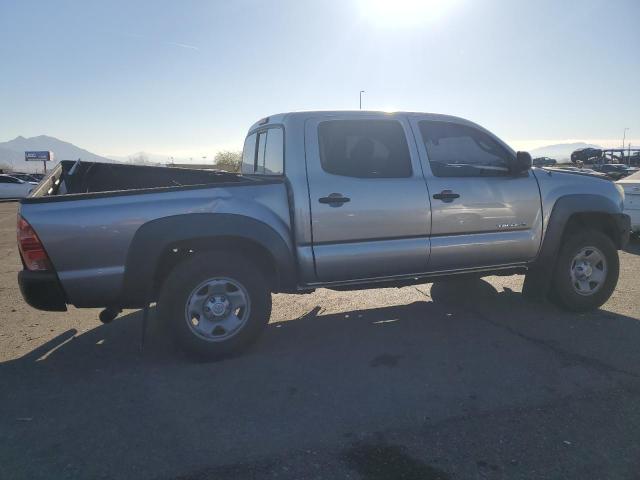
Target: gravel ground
[(462, 380)]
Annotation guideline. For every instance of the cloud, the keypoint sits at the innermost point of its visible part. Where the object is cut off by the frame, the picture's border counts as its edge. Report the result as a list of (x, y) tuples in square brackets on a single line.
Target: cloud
[(183, 45), (150, 39)]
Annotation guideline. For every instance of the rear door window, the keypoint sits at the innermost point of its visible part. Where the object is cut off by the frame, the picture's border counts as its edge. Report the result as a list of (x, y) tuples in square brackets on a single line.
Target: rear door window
[(364, 148)]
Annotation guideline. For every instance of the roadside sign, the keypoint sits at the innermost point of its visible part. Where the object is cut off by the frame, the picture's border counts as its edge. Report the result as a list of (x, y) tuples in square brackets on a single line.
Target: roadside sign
[(43, 156)]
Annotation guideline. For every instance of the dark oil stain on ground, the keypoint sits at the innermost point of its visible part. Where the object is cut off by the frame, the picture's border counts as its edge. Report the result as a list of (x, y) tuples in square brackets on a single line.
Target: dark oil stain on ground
[(482, 464), (384, 462), (385, 360)]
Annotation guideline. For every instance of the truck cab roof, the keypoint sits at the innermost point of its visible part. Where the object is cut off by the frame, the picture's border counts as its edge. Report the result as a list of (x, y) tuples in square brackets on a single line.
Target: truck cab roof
[(282, 118)]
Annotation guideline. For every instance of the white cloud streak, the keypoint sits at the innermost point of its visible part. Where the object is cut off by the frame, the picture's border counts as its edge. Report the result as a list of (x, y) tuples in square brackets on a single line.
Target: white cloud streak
[(183, 45), (147, 38)]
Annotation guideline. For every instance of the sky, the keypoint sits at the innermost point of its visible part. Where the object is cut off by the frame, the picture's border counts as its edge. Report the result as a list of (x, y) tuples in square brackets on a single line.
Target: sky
[(187, 78)]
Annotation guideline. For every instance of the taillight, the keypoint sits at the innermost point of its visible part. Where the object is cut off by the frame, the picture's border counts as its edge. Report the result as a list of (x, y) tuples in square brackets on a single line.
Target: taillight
[(31, 249)]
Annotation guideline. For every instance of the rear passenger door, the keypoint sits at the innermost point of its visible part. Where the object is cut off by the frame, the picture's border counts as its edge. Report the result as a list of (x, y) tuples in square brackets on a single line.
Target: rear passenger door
[(369, 203), (482, 215)]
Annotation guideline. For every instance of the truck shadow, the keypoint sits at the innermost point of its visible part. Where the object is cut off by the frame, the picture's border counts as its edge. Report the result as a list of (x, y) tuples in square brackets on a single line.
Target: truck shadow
[(466, 348), (117, 345)]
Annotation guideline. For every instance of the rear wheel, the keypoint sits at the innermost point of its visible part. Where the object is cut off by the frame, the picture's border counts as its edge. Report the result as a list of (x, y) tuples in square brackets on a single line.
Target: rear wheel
[(215, 304), (586, 271)]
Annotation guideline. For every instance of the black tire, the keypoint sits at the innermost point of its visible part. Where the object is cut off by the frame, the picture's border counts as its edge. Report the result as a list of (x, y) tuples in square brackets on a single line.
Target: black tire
[(182, 281), (563, 292)]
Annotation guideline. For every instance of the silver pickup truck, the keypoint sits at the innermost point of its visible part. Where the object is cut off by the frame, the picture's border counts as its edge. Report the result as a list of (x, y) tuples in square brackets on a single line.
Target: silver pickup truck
[(339, 200)]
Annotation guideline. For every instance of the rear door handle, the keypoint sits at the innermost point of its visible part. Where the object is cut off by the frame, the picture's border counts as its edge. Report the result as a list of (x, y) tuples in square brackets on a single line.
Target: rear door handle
[(334, 200), (446, 196)]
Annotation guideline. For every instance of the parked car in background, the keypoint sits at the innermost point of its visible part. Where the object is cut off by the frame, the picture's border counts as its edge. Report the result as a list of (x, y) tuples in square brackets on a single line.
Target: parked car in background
[(631, 186), (586, 155), (26, 177), (586, 171), (544, 162), (339, 200), (614, 171), (12, 187)]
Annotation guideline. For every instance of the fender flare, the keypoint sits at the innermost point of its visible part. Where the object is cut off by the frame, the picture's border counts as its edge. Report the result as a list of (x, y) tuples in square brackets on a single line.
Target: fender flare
[(538, 279), (154, 238)]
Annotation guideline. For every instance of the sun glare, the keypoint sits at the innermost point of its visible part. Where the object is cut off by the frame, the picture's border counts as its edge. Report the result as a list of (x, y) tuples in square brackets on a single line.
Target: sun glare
[(403, 13)]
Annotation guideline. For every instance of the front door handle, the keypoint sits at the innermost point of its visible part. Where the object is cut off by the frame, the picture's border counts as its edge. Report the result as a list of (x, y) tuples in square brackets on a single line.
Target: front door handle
[(334, 200), (446, 196)]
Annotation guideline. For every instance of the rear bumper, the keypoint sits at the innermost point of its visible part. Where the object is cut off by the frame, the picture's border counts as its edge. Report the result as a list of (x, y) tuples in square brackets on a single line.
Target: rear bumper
[(42, 290)]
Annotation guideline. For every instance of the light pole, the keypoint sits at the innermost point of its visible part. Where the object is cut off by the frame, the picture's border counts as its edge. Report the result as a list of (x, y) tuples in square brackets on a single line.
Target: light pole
[(361, 92), (624, 137)]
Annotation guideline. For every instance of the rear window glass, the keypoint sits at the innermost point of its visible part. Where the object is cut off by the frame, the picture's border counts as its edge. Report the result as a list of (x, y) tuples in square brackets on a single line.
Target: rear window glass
[(9, 180), (249, 154), (262, 143), (274, 152), (263, 153)]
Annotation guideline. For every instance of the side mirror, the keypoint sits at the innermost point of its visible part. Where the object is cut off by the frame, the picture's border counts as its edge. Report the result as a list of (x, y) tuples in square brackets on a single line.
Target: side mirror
[(522, 163)]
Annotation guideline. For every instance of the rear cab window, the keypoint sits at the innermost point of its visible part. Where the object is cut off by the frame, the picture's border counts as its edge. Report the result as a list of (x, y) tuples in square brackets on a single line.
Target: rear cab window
[(263, 152)]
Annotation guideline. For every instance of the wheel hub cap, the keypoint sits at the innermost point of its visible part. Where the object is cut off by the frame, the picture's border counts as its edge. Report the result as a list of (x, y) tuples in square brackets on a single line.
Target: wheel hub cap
[(584, 270), (588, 271), (217, 309), (217, 306)]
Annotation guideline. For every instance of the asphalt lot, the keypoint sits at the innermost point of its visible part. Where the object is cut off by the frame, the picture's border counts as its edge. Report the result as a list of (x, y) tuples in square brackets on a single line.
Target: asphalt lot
[(443, 381)]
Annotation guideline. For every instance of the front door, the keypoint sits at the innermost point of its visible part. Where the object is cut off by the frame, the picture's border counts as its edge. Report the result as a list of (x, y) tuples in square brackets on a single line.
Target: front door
[(482, 215), (370, 213)]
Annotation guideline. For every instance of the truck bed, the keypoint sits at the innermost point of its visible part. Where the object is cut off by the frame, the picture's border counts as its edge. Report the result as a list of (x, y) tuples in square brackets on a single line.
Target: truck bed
[(88, 215), (71, 178)]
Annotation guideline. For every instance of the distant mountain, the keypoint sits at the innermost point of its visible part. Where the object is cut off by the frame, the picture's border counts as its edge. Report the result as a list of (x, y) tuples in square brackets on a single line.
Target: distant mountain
[(9, 157), (561, 151), (12, 152)]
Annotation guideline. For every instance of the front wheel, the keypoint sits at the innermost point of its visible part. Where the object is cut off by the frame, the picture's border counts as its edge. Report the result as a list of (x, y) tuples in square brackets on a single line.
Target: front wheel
[(586, 271), (215, 304)]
